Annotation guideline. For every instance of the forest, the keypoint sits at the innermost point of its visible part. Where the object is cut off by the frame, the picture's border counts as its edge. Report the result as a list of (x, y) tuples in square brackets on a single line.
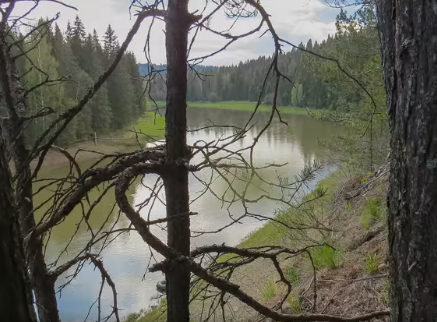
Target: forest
[(315, 83), (70, 61)]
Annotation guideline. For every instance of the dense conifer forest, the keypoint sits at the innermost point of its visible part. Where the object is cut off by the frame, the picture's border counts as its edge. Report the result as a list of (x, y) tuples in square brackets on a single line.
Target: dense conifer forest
[(310, 81), (73, 59)]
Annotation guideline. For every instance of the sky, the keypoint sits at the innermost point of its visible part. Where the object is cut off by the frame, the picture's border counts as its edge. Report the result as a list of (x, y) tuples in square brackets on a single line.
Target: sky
[(294, 20)]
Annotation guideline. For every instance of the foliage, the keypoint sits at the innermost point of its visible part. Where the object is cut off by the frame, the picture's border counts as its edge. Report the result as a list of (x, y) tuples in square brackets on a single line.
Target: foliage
[(78, 60), (243, 82), (292, 275), (152, 315), (269, 291), (371, 263), (372, 212), (358, 100), (295, 303), (273, 233), (148, 127), (325, 257)]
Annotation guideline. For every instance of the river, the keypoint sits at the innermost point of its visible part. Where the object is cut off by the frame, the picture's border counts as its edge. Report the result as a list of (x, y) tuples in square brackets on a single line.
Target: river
[(127, 257)]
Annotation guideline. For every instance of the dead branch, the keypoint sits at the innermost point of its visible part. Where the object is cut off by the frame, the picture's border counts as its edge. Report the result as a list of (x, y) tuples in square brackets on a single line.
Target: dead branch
[(173, 257), (92, 178)]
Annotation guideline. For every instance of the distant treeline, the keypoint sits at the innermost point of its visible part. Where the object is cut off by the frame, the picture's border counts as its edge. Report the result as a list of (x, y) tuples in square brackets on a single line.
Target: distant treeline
[(315, 82), (77, 59)]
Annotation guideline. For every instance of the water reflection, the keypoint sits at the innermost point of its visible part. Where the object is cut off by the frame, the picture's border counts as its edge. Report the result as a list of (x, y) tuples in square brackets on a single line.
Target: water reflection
[(127, 258)]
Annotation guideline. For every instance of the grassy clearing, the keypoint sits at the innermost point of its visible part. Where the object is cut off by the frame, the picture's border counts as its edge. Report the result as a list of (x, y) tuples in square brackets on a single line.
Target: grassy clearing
[(243, 105), (149, 127)]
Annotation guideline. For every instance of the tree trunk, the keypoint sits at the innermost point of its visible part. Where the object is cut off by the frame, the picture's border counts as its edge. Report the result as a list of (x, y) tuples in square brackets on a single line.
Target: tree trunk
[(42, 282), (15, 290), (178, 21), (409, 52)]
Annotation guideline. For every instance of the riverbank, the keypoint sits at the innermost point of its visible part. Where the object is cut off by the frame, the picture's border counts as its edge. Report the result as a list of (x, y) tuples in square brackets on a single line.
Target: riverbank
[(148, 128), (351, 273), (241, 105)]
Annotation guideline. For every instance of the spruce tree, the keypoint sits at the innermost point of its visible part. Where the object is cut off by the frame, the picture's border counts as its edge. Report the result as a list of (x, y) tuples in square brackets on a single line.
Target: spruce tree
[(77, 42), (100, 110), (110, 42), (121, 92), (139, 98)]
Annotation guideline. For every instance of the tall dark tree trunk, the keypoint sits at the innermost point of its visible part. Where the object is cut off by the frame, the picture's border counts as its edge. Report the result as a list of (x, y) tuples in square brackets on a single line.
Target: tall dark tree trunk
[(409, 52), (43, 283), (178, 21), (14, 96), (15, 290)]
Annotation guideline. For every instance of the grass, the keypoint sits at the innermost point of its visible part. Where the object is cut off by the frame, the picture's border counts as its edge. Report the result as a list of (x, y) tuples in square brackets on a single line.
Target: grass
[(325, 257), (292, 275), (371, 263), (149, 126), (158, 314), (269, 291), (273, 233), (295, 303), (372, 212), (242, 105)]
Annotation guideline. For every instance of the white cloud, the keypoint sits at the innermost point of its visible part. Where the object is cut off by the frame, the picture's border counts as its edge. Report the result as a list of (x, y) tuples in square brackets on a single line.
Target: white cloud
[(295, 20)]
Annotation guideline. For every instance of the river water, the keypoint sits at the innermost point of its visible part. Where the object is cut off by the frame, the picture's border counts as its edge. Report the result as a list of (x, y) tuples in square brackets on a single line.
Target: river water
[(127, 257)]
